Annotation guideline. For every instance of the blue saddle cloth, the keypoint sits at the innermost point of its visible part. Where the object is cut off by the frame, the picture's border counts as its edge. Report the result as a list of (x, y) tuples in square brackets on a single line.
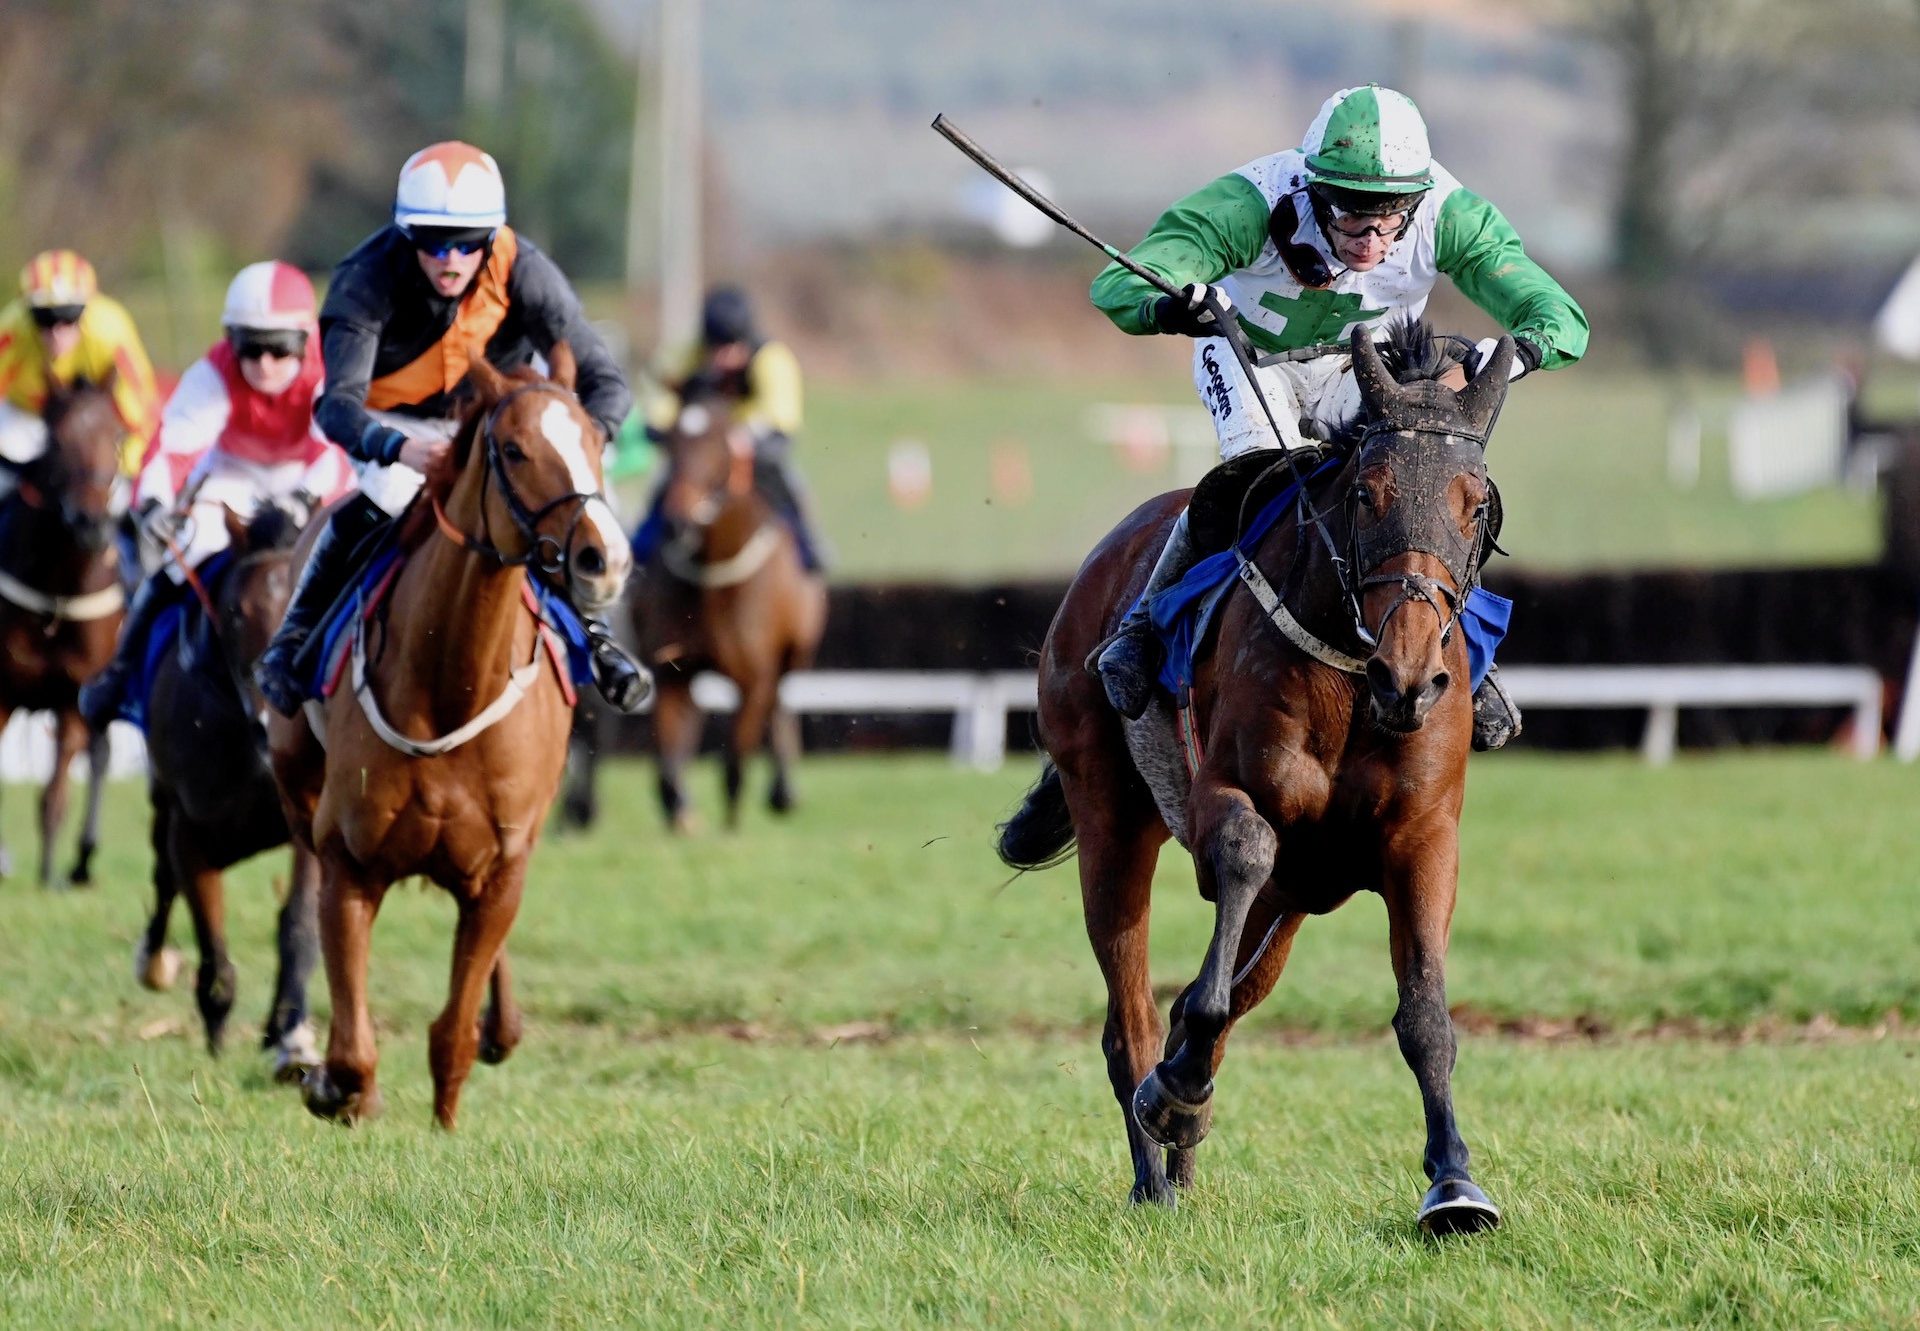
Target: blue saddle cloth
[(558, 615), (1181, 614), (651, 534), (180, 627)]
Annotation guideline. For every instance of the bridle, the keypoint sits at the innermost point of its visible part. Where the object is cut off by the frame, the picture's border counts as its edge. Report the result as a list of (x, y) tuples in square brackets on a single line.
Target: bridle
[(1432, 533), (544, 554)]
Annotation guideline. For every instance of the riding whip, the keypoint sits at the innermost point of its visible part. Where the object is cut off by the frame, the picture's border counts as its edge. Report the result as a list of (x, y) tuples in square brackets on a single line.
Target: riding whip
[(1230, 331)]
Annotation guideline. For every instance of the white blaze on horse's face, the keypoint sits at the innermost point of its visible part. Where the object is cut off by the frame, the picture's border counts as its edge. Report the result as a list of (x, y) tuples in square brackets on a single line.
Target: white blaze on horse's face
[(563, 432)]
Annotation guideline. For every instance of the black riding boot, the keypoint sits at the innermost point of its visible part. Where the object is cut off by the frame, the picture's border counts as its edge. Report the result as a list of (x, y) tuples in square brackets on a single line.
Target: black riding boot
[(1129, 662), (1496, 717), (330, 567), (779, 485), (101, 696), (622, 681)]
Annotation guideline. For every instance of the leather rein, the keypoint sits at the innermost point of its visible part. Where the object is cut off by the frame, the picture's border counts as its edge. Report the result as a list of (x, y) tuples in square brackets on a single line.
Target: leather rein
[(544, 554)]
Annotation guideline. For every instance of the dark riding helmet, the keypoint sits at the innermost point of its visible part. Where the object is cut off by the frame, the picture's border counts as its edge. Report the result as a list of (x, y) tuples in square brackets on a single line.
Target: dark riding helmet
[(726, 317)]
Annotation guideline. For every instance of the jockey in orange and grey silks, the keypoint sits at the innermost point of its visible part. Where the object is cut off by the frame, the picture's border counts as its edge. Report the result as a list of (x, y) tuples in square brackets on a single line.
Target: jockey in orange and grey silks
[(400, 319)]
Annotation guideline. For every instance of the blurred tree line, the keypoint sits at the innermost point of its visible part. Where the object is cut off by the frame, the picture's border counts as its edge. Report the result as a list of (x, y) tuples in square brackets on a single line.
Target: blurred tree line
[(160, 134)]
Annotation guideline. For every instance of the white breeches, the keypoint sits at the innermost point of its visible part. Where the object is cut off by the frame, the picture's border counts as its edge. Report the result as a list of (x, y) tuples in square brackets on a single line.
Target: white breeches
[(220, 481), (23, 435), (1310, 399)]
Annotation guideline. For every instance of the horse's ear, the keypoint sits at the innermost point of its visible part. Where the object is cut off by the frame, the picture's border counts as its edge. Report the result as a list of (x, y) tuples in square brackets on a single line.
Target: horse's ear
[(1488, 389), (561, 366), (489, 385), (236, 529), (1378, 389)]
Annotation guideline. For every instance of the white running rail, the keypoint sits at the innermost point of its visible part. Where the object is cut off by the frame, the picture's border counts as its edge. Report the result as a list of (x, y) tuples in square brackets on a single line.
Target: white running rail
[(981, 703)]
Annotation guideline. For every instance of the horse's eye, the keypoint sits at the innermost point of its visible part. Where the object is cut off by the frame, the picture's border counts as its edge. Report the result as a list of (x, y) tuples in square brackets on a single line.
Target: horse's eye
[(512, 452)]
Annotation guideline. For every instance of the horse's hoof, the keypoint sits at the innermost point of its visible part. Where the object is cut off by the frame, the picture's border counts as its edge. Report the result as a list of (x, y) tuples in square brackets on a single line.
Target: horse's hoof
[(684, 823), (780, 800), (295, 1054), (1155, 1194), (1168, 1120), (494, 1050), (325, 1099), (1456, 1206), (156, 970), (1181, 1168)]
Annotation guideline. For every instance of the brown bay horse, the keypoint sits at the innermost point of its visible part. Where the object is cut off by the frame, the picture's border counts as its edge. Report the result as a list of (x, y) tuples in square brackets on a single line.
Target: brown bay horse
[(727, 592), (214, 799), (442, 752), (61, 600), (1303, 777)]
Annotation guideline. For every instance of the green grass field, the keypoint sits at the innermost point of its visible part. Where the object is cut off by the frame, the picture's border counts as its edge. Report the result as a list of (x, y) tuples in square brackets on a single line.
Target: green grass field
[(832, 1072)]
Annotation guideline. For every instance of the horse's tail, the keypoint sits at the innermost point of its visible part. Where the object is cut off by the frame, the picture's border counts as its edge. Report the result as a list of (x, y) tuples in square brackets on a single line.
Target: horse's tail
[(1040, 833)]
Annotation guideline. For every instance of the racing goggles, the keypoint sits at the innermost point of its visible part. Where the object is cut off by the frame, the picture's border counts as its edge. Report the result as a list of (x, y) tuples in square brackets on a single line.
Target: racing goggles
[(260, 343), (437, 242), (56, 316), (1362, 226)]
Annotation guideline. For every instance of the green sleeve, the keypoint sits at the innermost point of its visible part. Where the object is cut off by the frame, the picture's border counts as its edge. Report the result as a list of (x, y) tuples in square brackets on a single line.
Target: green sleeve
[(1202, 238), (1479, 249)]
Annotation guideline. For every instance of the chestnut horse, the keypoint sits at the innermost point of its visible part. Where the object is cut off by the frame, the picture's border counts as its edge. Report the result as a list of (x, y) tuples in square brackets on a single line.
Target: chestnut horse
[(726, 592), (61, 600), (214, 800), (443, 754), (1310, 771)]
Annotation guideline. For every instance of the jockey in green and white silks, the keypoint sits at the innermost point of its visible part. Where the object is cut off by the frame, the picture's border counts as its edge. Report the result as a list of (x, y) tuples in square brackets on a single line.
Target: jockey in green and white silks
[(1355, 226)]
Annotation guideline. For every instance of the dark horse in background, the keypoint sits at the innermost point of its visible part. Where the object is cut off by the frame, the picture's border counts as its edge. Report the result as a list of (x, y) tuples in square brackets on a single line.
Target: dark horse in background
[(728, 591), (214, 798), (1305, 781), (61, 599)]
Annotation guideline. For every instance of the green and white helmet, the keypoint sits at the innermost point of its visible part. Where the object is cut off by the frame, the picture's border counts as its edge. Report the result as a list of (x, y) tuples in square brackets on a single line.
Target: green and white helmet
[(1369, 140)]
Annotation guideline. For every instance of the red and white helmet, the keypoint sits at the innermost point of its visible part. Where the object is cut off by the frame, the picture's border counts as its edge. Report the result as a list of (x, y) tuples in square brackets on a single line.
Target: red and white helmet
[(450, 184), (270, 295)]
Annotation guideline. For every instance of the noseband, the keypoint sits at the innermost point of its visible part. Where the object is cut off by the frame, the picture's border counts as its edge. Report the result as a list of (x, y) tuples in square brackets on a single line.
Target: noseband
[(544, 554)]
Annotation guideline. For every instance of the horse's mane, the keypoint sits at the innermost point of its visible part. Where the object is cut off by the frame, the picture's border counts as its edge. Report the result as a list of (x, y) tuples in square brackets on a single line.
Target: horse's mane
[(418, 521), (272, 528), (1412, 353)]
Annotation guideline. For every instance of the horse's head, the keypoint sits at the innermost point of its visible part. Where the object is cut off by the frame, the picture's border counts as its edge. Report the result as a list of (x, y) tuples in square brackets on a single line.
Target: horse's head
[(705, 468), (1418, 512), (533, 484), (76, 475), (251, 597)]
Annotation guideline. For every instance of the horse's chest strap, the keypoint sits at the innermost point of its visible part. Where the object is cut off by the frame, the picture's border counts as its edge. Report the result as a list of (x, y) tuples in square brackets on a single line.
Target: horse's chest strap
[(1290, 628)]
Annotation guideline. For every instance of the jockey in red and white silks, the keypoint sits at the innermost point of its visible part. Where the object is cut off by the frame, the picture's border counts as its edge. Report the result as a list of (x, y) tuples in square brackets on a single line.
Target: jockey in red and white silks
[(237, 433)]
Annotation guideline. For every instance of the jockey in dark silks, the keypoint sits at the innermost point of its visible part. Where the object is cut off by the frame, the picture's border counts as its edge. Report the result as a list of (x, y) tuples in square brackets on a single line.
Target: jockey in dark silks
[(399, 320), (760, 379)]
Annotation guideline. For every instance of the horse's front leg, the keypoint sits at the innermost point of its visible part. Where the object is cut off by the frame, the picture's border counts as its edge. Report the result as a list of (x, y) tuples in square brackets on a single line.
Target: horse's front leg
[(486, 914), (501, 1027), (343, 1087), (289, 1035), (1422, 875), (99, 753), (1234, 849), (70, 736), (156, 965)]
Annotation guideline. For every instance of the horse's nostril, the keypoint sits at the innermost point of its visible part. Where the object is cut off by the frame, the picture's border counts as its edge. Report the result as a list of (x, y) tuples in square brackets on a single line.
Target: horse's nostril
[(1439, 683), (591, 562), (1380, 680)]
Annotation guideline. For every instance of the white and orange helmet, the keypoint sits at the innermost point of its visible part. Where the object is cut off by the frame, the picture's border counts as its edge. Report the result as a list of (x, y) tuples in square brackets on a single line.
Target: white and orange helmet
[(272, 296), (450, 185)]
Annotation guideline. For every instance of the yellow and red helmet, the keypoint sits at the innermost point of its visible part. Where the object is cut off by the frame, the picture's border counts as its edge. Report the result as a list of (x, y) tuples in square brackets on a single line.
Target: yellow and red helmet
[(58, 280)]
